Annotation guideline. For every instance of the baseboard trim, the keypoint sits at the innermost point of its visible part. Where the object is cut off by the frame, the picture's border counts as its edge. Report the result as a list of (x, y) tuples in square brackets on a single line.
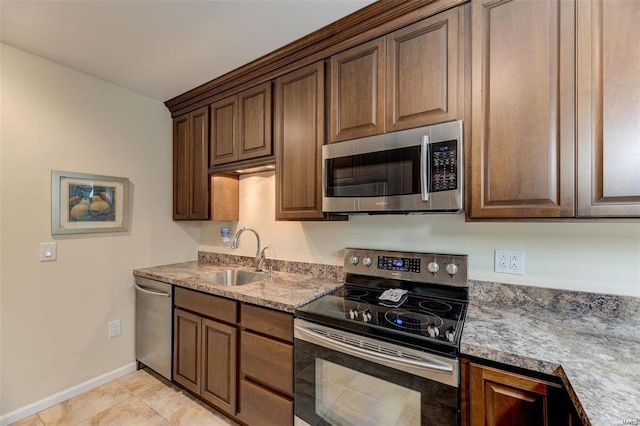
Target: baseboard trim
[(59, 397)]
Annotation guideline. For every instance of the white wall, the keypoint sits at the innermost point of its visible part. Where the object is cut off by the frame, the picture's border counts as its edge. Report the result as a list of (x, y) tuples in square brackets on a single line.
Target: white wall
[(594, 257), (54, 315)]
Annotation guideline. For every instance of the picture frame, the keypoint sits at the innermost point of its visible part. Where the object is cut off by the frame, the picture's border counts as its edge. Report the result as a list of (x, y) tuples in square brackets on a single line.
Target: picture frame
[(84, 203)]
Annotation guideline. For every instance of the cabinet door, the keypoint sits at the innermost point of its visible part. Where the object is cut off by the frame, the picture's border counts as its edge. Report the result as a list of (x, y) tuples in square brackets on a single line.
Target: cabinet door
[(523, 97), (502, 398), (219, 353), (608, 75), (181, 167), (254, 122), (357, 92), (191, 166), (299, 133), (186, 350), (224, 118), (422, 73), (199, 164)]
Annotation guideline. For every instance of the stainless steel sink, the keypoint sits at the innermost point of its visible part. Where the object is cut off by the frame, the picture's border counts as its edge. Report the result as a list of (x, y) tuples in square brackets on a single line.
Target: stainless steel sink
[(234, 277)]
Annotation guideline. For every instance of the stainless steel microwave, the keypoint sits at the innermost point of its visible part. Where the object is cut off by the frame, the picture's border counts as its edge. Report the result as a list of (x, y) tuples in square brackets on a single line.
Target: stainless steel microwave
[(412, 171)]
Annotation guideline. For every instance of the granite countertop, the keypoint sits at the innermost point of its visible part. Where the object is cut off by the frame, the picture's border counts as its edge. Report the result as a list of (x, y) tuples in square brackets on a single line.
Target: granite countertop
[(283, 291), (591, 342)]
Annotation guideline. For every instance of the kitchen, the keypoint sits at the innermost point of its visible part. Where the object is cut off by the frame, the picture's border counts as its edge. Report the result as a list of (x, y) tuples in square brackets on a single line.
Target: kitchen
[(55, 315)]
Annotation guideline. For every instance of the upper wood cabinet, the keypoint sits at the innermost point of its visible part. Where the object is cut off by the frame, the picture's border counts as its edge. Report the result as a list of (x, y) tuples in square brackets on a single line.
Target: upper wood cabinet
[(241, 126), (608, 73), (224, 131), (423, 76), (406, 79), (357, 92), (555, 107), (299, 135), (190, 166), (523, 109)]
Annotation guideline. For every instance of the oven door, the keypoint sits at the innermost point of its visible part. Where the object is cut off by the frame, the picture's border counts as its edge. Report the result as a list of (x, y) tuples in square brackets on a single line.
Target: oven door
[(343, 379)]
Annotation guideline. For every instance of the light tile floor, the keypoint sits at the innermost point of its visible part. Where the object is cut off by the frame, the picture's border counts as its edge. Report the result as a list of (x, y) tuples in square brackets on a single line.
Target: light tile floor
[(141, 398)]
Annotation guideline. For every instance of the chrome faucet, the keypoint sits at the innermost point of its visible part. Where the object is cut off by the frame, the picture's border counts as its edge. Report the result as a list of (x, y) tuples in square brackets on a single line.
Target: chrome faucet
[(260, 256)]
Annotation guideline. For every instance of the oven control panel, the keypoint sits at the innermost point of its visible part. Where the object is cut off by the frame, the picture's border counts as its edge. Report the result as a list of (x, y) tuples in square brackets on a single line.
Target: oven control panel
[(391, 263), (434, 268)]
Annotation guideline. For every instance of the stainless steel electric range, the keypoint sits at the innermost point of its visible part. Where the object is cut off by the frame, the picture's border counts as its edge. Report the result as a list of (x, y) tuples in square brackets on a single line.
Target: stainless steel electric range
[(384, 349)]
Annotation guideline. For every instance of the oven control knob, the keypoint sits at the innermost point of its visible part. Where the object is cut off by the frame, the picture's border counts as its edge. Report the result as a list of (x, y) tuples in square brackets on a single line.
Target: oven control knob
[(355, 260), (433, 331), (353, 314), (367, 261), (451, 269), (433, 267), (366, 316), (450, 334)]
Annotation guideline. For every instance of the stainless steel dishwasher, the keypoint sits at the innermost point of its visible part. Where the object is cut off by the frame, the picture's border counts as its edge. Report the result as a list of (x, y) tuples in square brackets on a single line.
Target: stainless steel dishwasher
[(154, 301)]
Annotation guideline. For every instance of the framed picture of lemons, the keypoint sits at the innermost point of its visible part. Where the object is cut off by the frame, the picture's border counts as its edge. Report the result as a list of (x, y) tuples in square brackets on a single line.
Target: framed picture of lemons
[(82, 203)]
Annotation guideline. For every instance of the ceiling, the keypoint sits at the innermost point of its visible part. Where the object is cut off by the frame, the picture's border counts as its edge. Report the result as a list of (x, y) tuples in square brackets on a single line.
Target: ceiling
[(162, 48)]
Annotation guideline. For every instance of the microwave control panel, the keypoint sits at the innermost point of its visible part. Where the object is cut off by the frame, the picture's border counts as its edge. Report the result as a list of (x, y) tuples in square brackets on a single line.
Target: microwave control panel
[(444, 166)]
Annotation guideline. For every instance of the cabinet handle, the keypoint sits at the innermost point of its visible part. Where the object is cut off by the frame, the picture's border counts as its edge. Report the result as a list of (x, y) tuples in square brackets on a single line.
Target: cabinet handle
[(156, 293)]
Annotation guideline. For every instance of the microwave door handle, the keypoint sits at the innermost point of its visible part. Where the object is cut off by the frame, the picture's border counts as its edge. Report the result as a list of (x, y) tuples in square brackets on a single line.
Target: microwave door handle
[(425, 168)]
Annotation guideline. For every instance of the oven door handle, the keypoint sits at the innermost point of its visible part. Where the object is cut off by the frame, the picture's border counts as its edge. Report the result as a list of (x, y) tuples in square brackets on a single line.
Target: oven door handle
[(357, 351)]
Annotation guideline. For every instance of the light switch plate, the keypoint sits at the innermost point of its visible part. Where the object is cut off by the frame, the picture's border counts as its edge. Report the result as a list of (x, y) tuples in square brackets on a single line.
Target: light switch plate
[(48, 252)]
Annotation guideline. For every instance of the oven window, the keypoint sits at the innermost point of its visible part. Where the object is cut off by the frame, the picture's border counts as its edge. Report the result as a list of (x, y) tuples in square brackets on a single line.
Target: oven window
[(347, 397), (377, 174), (335, 388)]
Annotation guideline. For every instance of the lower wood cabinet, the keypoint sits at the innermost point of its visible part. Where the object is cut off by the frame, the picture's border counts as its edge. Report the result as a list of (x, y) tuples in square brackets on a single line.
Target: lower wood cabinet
[(236, 357), (494, 397), (266, 367), (206, 349), (262, 407)]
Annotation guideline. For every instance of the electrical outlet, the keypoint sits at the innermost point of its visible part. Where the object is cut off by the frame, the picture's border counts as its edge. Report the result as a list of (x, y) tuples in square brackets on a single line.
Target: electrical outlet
[(115, 328), (509, 261)]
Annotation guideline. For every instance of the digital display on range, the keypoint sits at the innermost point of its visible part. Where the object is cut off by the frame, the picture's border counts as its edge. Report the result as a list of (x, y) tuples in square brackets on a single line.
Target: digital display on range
[(399, 264)]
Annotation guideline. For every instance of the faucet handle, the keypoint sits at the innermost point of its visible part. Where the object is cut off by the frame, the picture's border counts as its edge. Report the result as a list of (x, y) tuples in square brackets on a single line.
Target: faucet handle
[(260, 259), (262, 254)]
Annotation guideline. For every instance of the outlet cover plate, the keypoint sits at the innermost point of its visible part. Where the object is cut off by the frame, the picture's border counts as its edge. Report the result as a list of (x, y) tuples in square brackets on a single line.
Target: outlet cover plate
[(509, 261)]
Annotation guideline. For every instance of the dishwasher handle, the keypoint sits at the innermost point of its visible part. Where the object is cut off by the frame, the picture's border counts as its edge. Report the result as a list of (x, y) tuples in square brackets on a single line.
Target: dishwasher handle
[(155, 293)]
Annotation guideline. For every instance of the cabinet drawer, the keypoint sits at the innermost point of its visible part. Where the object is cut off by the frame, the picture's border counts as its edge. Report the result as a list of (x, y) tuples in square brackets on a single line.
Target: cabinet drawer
[(258, 406), (211, 306), (266, 321), (267, 361)]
